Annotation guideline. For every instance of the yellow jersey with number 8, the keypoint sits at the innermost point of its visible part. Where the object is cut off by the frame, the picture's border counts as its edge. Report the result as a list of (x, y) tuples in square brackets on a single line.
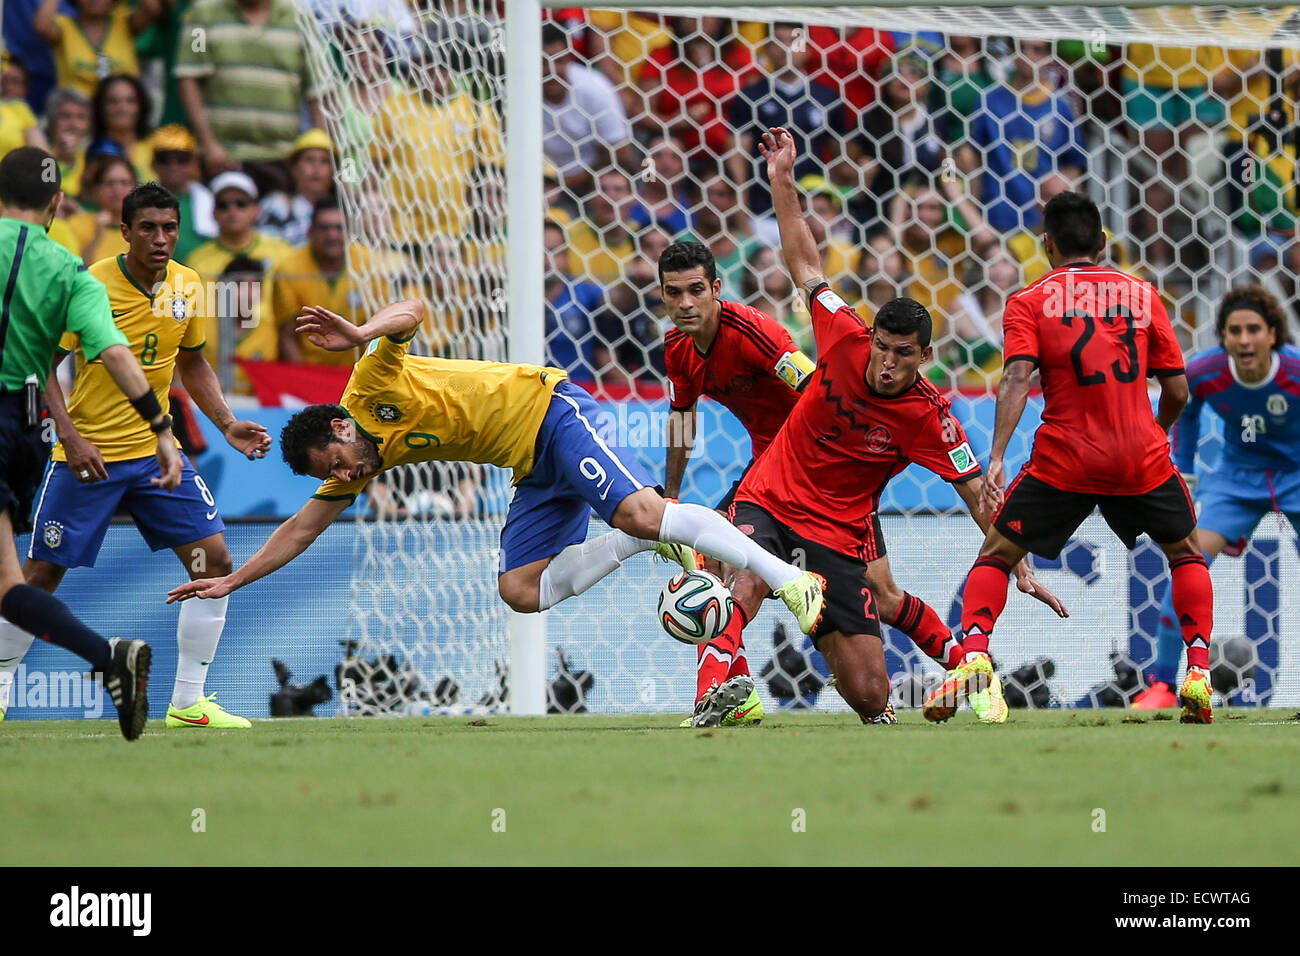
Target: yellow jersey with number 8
[(157, 323)]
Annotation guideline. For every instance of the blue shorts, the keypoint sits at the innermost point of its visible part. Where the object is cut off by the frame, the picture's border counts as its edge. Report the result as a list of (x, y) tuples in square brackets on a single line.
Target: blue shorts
[(575, 471), (1234, 500), (71, 518)]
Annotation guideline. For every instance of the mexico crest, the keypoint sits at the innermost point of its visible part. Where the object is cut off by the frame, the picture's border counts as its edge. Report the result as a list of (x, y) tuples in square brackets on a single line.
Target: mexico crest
[(1277, 404)]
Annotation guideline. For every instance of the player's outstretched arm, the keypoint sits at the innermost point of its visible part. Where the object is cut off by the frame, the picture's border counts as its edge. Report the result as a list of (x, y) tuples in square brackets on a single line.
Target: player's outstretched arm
[(680, 439), (129, 377), (1013, 392), (287, 542), (248, 438), (798, 247), (331, 331)]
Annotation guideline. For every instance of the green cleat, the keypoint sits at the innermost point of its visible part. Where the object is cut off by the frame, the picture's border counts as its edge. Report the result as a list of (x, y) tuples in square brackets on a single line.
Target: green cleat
[(969, 677), (805, 597), (748, 714), (1195, 698), (719, 703), (989, 705), (206, 712), (679, 554)]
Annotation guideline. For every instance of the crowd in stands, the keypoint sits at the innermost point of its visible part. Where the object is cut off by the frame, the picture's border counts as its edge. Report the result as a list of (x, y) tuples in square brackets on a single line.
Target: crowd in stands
[(925, 160)]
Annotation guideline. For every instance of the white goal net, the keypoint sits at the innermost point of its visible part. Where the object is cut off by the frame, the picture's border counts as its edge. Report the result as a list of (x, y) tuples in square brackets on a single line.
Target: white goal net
[(930, 138)]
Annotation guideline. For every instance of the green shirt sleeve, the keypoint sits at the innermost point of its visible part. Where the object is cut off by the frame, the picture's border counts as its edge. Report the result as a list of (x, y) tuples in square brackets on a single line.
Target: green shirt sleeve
[(90, 318)]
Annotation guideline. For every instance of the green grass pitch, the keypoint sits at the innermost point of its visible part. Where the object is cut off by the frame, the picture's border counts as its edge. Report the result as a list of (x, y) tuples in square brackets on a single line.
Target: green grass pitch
[(806, 789)]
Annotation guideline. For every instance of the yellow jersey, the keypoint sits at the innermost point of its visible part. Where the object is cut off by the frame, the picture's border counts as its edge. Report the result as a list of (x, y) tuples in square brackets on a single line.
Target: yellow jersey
[(81, 65), (428, 409), (109, 244), (16, 118), (156, 325), (210, 260)]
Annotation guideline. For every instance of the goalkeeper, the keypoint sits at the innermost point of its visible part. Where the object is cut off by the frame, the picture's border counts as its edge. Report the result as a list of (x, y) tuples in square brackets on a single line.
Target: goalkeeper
[(399, 409), (1251, 380)]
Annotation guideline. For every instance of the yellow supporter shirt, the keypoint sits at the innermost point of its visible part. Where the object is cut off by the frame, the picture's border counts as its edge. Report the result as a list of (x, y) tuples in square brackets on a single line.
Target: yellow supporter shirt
[(156, 326), (210, 260), (110, 242), (64, 236), (429, 409), (298, 281), (80, 65), (427, 152), (590, 257), (16, 118), (1171, 67), (1253, 100)]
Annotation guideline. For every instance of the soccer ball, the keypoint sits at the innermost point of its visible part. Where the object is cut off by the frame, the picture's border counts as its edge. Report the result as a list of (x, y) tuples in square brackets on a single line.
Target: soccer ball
[(695, 607)]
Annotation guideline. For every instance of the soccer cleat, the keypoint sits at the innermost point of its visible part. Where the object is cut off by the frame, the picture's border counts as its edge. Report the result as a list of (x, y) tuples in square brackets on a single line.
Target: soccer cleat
[(969, 677), (205, 712), (886, 716), (1156, 697), (989, 704), (805, 597), (719, 702), (1195, 697), (679, 554), (127, 683), (748, 714)]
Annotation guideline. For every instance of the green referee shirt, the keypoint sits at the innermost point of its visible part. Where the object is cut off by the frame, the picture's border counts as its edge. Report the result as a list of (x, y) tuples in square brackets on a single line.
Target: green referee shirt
[(46, 291)]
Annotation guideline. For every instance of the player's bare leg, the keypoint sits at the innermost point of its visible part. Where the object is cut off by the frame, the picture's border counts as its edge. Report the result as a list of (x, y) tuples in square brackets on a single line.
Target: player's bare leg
[(912, 616), (198, 630), (1193, 596), (857, 662)]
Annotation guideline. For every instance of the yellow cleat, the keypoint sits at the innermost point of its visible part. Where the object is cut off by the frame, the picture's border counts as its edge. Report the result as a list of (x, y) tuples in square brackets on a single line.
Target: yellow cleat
[(688, 558), (205, 712), (969, 677), (805, 597), (748, 714), (1195, 697), (989, 704)]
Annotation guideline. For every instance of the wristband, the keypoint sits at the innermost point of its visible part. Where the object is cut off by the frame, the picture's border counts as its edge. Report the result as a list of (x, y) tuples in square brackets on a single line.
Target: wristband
[(162, 426), (147, 406)]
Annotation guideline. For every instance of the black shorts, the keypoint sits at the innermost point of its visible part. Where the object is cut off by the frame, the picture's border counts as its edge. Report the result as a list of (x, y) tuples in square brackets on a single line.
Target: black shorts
[(22, 460), (725, 504), (1041, 518), (850, 607)]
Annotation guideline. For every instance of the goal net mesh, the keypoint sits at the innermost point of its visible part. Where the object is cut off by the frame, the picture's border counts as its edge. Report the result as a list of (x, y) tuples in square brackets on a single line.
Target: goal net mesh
[(931, 136)]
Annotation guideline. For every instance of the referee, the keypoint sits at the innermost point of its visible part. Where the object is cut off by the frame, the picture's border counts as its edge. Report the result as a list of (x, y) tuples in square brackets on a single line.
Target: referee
[(46, 290)]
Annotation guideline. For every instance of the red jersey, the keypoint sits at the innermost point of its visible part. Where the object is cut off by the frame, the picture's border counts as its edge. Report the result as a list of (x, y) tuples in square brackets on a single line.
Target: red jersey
[(677, 87), (753, 368), (1096, 334), (844, 441)]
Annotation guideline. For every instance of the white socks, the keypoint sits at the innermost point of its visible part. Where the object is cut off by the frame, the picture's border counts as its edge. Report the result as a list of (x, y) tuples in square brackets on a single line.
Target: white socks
[(14, 642), (197, 633), (709, 533), (579, 566)]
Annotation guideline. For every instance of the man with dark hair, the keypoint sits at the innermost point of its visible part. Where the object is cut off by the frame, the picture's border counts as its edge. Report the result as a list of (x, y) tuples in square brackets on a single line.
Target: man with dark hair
[(399, 409), (1251, 380), (50, 293), (1096, 335), (865, 414), (102, 460)]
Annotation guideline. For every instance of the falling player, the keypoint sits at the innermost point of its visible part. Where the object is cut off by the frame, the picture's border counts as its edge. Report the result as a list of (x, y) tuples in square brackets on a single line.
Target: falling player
[(1252, 381), (865, 415), (1095, 334), (746, 361), (399, 409), (104, 457)]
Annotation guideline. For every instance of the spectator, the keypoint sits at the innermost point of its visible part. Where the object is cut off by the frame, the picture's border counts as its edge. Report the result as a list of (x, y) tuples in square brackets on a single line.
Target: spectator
[(767, 287), (96, 43), (360, 103), (830, 230), (120, 110), (1026, 245), (629, 338), (971, 355), (67, 126), (311, 165), (661, 189), (176, 163), (617, 43), (722, 224), (18, 126), (881, 276), (781, 95), (316, 274), (936, 253), (600, 245), (240, 324), (237, 210), (13, 78), (244, 92), (899, 138), (584, 125), (1265, 185), (688, 84), (963, 76), (571, 305), (846, 60), (107, 181), (1024, 130)]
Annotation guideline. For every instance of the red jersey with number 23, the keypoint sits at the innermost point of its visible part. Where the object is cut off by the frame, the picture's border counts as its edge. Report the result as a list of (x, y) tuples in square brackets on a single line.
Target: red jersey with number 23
[(753, 368), (826, 469), (1096, 334)]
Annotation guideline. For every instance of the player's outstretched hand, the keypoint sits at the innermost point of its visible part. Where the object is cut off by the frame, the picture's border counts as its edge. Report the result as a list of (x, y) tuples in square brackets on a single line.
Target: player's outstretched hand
[(328, 330), (84, 460), (995, 480), (249, 439), (777, 147), (1030, 585), (169, 462), (202, 588)]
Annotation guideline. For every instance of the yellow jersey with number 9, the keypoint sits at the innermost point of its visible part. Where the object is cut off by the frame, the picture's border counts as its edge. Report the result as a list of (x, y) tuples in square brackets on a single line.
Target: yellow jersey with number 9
[(157, 323), (430, 409)]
